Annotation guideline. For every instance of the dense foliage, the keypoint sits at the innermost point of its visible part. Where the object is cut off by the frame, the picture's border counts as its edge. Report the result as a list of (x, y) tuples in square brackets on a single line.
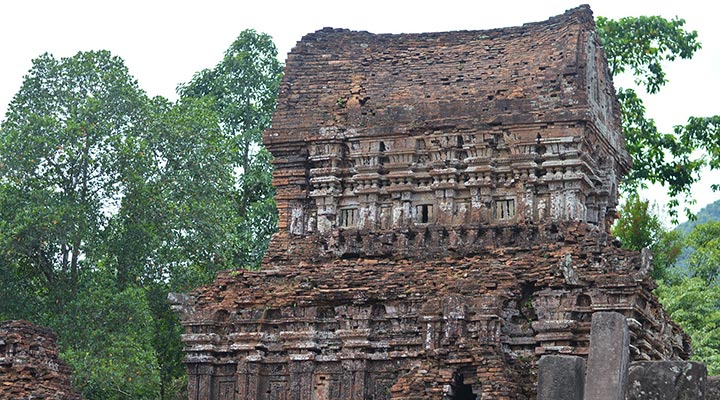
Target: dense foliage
[(690, 294), (109, 200), (641, 45), (243, 91), (695, 306), (639, 226)]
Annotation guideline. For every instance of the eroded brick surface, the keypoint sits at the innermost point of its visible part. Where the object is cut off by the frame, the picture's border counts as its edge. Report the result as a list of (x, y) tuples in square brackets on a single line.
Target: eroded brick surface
[(403, 327), (385, 133), (444, 204), (29, 364)]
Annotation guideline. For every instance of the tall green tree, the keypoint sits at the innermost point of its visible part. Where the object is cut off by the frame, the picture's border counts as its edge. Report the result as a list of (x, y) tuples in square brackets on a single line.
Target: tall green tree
[(109, 200), (641, 46), (242, 89), (177, 221), (178, 212), (59, 149), (62, 144)]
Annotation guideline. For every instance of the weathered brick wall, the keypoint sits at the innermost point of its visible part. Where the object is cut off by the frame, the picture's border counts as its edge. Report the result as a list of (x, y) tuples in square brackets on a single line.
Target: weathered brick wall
[(444, 204), (357, 328), (29, 364), (381, 133)]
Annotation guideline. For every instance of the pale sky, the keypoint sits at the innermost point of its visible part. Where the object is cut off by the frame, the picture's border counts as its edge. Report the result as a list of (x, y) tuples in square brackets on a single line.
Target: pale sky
[(164, 42)]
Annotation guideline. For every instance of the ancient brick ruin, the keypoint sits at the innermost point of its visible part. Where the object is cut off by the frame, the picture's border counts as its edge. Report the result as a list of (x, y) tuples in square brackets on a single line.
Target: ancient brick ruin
[(608, 373), (29, 364), (444, 203)]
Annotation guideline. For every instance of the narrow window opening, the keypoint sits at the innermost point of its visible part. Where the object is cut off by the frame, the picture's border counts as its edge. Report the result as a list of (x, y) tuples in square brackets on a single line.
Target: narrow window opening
[(505, 209), (424, 213), (382, 159)]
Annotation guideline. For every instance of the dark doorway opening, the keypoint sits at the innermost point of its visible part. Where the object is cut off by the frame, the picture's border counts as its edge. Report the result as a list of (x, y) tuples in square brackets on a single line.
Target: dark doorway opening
[(460, 390)]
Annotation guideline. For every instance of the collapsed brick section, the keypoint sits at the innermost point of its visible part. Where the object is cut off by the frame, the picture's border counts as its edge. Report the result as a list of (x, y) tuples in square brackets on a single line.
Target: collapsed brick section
[(444, 205), (29, 364)]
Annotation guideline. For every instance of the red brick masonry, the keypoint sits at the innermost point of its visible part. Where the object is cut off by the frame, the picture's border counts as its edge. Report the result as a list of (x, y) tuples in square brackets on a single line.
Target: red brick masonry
[(29, 364), (444, 203)]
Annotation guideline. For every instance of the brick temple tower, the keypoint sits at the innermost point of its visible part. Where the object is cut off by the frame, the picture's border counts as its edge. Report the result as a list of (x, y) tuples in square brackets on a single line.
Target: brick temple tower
[(445, 202)]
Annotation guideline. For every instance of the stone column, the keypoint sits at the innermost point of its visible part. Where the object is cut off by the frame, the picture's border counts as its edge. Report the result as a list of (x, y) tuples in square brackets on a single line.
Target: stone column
[(561, 377), (607, 365), (368, 212)]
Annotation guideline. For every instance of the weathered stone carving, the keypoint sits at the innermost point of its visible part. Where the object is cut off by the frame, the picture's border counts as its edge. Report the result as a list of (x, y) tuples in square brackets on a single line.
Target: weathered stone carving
[(561, 377), (713, 388), (667, 380), (29, 364), (444, 202)]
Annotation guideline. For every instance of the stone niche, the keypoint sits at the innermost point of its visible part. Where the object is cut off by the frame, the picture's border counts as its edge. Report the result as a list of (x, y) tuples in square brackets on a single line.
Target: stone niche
[(444, 202)]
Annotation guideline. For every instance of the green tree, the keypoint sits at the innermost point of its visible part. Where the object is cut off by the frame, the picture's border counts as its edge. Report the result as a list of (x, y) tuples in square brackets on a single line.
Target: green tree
[(111, 342), (695, 306), (61, 150), (704, 261), (639, 227), (98, 181), (18, 294), (243, 89), (178, 212), (176, 225), (641, 45), (201, 198), (58, 163), (109, 200)]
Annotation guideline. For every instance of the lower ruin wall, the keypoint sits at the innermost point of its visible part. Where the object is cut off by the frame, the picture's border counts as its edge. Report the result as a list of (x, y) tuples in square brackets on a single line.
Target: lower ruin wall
[(29, 364), (455, 328)]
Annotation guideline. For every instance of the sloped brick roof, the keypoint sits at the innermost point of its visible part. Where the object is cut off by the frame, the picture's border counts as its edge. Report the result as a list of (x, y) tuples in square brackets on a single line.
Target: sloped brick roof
[(376, 83)]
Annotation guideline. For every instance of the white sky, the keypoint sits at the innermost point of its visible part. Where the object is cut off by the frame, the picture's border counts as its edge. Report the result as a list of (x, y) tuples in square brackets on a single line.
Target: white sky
[(165, 42)]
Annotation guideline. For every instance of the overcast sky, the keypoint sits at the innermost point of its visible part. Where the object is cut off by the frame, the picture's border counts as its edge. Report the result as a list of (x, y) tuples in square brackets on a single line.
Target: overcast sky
[(164, 43)]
